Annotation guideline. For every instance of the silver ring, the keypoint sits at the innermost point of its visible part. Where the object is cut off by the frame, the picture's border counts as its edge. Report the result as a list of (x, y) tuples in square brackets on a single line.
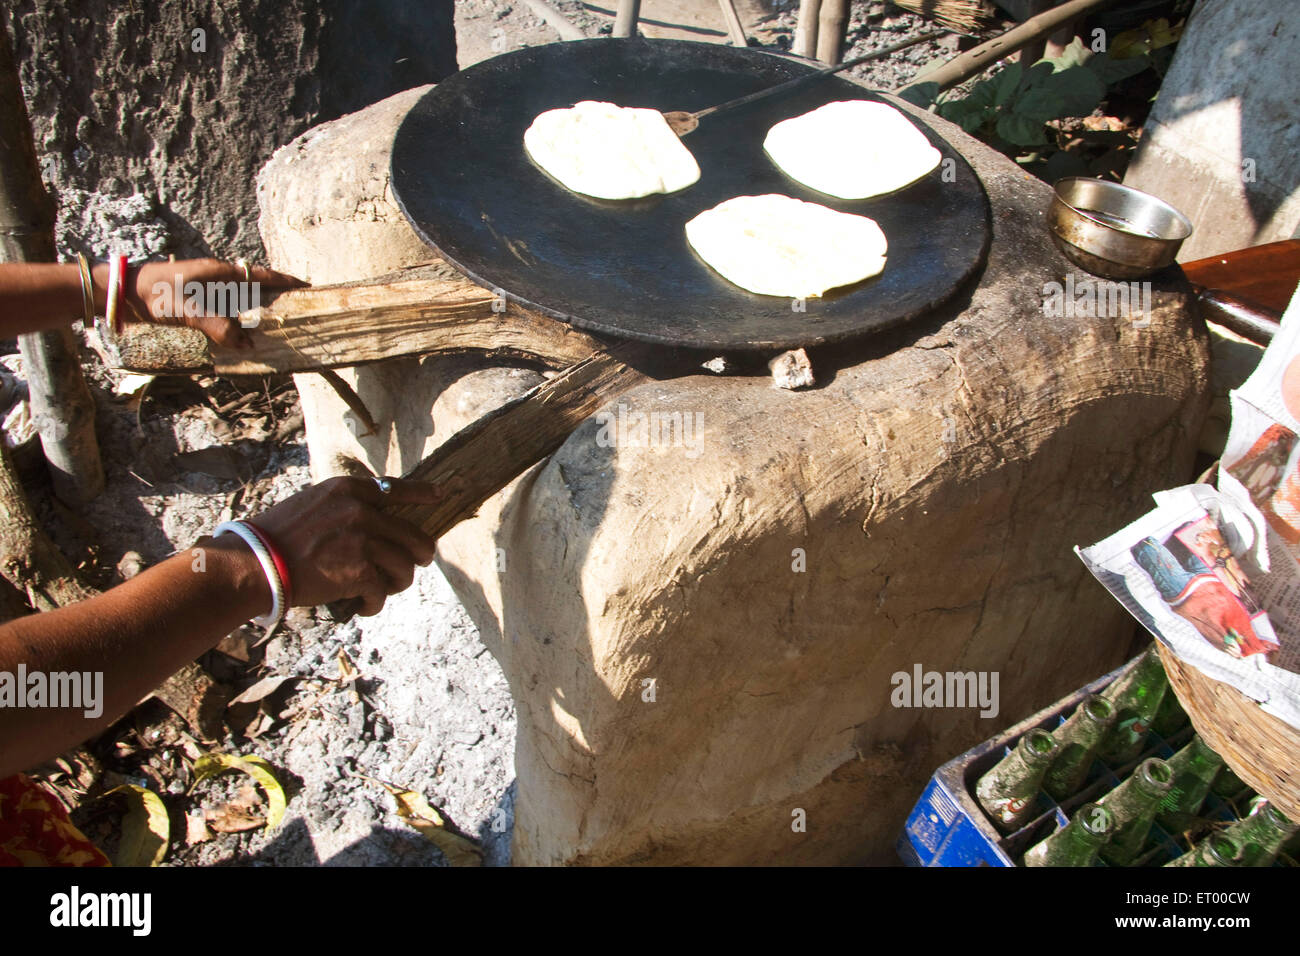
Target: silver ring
[(385, 486)]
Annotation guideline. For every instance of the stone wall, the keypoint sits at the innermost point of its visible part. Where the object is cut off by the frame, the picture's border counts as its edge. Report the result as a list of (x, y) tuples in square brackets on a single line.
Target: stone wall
[(151, 134)]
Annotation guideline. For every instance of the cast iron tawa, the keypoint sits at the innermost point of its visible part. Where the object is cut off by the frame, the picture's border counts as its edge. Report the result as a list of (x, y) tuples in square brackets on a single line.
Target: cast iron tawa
[(462, 177)]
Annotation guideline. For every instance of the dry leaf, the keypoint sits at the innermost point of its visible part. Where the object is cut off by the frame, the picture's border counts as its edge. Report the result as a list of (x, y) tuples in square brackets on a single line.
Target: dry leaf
[(264, 723), (196, 829), (263, 688), (348, 671), (236, 645), (413, 808), (132, 384), (230, 818), (146, 827), (209, 765)]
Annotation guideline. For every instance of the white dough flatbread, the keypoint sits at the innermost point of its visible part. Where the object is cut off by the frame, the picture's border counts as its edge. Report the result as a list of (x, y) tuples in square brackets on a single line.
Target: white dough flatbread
[(776, 245), (853, 149), (610, 152)]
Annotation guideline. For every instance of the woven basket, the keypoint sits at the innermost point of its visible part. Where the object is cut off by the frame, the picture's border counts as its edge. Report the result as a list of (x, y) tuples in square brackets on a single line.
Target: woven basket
[(1261, 749)]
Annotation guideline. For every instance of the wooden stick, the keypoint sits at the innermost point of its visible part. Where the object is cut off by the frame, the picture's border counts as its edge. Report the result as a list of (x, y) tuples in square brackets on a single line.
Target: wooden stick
[(61, 404), (805, 31), (485, 456), (734, 27), (426, 309), (563, 26), (976, 60), (833, 22), (625, 20)]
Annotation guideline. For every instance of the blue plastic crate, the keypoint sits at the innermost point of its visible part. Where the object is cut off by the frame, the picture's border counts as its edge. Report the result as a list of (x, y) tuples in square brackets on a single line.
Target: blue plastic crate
[(948, 828)]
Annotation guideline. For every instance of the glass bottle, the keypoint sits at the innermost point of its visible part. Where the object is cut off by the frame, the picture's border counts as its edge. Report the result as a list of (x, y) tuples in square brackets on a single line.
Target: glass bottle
[(1134, 804), (1194, 767), (1261, 834), (1217, 849), (1171, 717), (1078, 739), (1007, 791), (1227, 785), (1136, 695), (1078, 842)]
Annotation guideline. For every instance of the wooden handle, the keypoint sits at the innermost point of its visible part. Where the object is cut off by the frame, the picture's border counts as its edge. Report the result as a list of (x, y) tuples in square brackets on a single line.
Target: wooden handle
[(427, 309), (1264, 275), (488, 454), (1248, 319)]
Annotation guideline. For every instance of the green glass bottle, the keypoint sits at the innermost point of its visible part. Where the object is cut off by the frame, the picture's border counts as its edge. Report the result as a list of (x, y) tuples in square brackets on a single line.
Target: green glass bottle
[(1078, 842), (1134, 804), (1217, 849), (1261, 834), (1171, 717), (1227, 785), (1078, 739), (1007, 791), (1194, 767), (1136, 697)]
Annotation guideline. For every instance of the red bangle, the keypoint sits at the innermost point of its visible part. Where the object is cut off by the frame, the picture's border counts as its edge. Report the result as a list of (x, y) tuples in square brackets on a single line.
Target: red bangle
[(280, 566), (116, 290)]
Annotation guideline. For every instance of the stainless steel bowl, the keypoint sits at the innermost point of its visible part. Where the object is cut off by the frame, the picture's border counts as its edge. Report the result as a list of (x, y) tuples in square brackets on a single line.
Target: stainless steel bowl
[(1115, 231)]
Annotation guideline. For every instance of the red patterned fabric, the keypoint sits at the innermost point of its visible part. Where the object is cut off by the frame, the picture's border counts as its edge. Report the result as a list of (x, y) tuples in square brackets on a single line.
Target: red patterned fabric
[(35, 829)]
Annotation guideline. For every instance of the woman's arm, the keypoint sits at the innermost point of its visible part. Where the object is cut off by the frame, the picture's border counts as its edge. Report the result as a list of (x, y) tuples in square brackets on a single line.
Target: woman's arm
[(336, 542), (126, 642), (46, 295)]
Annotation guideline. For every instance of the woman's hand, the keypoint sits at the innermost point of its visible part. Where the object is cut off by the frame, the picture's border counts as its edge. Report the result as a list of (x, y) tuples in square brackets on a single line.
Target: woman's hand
[(338, 544), (158, 291)]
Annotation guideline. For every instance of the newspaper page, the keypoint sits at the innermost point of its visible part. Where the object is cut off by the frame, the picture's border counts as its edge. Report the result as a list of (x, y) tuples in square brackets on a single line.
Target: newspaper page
[(1214, 574)]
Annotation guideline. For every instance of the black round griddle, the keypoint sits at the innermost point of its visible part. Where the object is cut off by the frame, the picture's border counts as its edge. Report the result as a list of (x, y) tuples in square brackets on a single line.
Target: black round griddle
[(462, 177)]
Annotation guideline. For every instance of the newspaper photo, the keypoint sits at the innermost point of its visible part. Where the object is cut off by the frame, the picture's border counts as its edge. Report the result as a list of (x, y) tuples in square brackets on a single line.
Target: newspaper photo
[(1214, 573)]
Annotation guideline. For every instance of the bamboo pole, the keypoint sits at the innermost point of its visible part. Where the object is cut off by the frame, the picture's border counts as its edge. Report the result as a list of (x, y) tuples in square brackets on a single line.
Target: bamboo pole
[(734, 27), (805, 30), (562, 24), (61, 404), (974, 61), (832, 24), (625, 19)]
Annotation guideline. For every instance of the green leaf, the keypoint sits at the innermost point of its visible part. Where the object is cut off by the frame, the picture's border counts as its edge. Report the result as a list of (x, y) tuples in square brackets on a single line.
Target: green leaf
[(1076, 54), (1111, 71), (921, 94), (146, 828), (1020, 130), (1006, 83), (967, 116), (1072, 92), (209, 765)]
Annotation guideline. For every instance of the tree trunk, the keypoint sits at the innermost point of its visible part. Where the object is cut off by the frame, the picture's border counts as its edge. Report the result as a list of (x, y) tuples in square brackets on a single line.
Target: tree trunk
[(61, 403)]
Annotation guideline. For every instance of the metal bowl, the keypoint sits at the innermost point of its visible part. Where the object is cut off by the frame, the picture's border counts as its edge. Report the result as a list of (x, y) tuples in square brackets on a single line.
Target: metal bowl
[(1114, 231)]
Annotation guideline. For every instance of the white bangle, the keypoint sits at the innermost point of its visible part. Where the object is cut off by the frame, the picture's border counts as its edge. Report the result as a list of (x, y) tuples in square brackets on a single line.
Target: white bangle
[(272, 618)]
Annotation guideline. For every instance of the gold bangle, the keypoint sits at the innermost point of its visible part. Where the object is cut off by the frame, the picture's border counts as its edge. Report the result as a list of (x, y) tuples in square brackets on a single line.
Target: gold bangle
[(87, 290)]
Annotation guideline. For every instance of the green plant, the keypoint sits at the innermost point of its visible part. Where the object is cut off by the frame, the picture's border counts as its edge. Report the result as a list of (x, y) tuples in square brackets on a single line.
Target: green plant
[(1011, 109)]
